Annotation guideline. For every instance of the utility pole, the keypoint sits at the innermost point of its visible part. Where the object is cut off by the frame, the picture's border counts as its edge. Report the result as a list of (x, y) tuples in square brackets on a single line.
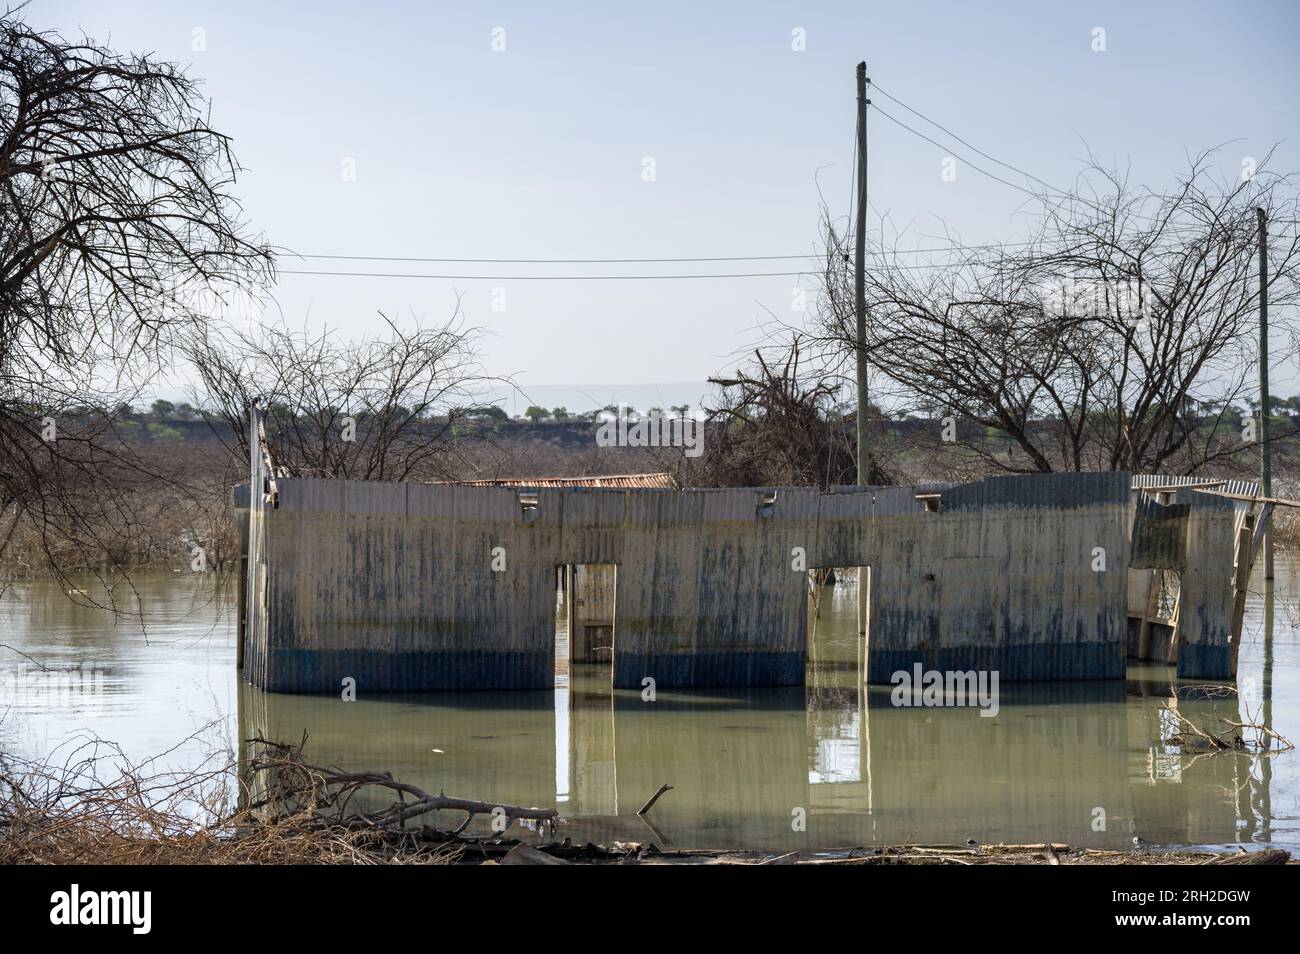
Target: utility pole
[(859, 276), (860, 333), (1266, 477), (1266, 488)]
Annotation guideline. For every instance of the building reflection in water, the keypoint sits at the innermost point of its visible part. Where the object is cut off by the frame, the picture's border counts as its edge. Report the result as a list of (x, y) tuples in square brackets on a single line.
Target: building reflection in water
[(1089, 764)]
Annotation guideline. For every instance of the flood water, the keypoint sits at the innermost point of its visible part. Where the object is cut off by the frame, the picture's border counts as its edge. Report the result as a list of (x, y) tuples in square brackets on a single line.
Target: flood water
[(1092, 764)]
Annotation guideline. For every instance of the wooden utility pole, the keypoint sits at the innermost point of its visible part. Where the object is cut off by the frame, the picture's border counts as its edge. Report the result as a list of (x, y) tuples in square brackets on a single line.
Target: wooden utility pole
[(1266, 477), (859, 277), (860, 333), (1266, 488)]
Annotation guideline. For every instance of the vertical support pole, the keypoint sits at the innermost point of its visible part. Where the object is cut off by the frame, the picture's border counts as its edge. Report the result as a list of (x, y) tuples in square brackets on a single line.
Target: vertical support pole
[(1266, 477), (859, 279), (570, 616), (245, 565), (1266, 716), (241, 608), (1154, 580), (1240, 580), (860, 332)]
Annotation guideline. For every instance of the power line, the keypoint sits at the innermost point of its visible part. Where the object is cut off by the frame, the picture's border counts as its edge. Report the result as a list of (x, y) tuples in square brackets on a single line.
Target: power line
[(551, 261), (1042, 197), (877, 253), (1006, 165), (914, 266), (1052, 190), (543, 278), (947, 148), (955, 247), (626, 261)]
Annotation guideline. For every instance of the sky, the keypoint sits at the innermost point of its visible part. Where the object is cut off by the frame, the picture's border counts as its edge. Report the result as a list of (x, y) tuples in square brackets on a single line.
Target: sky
[(524, 130)]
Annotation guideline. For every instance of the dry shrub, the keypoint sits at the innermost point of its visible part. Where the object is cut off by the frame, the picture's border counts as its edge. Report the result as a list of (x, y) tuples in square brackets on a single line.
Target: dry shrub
[(1286, 520), (97, 808)]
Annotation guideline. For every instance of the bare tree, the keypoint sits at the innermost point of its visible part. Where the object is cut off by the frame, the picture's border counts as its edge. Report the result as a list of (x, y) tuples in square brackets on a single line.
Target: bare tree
[(115, 197), (777, 421), (118, 237), (387, 407), (1096, 343)]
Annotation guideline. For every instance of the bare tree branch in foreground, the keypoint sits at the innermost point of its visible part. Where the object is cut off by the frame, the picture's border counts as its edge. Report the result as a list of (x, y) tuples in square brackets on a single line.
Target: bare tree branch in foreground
[(119, 237)]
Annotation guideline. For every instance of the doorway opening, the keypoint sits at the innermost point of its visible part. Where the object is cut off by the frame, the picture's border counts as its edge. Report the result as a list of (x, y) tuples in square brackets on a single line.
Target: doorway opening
[(839, 620), (586, 595), (585, 610), (1157, 622), (836, 661)]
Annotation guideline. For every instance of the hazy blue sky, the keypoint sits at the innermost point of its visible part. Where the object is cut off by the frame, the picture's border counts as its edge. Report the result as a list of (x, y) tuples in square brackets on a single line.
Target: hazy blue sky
[(536, 151)]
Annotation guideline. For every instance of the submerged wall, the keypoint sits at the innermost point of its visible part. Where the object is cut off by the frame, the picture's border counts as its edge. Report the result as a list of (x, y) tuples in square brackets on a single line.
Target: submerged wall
[(1194, 537), (1023, 575), (411, 586)]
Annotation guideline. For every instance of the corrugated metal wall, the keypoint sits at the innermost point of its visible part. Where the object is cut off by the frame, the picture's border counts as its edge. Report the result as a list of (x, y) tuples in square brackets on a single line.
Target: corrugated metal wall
[(1192, 532), (1205, 587), (394, 584), (1023, 575)]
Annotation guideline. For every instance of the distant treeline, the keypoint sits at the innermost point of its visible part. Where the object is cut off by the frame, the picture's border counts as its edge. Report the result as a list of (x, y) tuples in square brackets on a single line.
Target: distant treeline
[(1284, 410)]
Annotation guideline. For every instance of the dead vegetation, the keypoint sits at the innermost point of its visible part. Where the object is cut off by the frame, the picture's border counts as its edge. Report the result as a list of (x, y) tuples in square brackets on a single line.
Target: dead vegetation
[(1036, 854), (120, 236), (1286, 520), (97, 808), (140, 526), (1250, 735)]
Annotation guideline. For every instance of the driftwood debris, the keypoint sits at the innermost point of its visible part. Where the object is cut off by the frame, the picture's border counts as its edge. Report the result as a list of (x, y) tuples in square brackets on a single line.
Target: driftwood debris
[(1250, 735), (654, 798), (329, 792), (1269, 856), (522, 854)]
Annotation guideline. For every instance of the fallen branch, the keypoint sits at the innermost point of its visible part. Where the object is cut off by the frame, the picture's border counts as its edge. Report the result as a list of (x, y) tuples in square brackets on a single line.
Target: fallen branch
[(654, 798), (1269, 856), (321, 788), (1262, 732)]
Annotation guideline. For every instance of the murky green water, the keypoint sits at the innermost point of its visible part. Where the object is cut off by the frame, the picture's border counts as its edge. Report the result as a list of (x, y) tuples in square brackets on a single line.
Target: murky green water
[(746, 766)]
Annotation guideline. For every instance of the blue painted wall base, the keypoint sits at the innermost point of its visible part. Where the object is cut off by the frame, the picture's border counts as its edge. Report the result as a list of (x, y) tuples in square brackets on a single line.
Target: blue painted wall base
[(703, 670), (322, 671), (1012, 663)]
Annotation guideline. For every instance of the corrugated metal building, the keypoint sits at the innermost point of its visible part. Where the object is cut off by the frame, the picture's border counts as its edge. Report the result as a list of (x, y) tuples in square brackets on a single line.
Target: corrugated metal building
[(452, 586)]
